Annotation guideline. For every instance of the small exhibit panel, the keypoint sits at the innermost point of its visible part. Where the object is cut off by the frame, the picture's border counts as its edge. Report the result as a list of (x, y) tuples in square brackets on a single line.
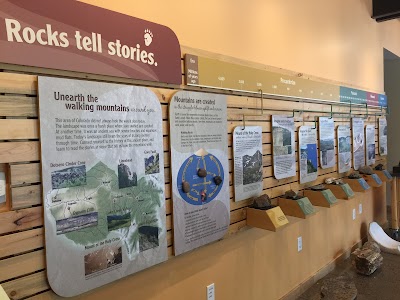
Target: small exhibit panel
[(283, 150), (357, 126), (326, 133), (103, 182), (200, 170), (383, 146), (370, 144), (308, 157), (248, 168), (344, 148)]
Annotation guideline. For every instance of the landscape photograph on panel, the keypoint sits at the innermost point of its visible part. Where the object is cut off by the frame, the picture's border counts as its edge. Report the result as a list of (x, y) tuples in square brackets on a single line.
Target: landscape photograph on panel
[(283, 147), (103, 182), (248, 167), (199, 168)]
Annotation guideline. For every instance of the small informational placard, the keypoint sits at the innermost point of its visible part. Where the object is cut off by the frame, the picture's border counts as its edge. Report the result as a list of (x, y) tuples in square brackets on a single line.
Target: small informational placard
[(248, 170), (344, 148), (200, 170), (329, 196), (370, 142), (283, 151), (383, 147), (327, 142), (358, 142), (308, 161), (103, 182)]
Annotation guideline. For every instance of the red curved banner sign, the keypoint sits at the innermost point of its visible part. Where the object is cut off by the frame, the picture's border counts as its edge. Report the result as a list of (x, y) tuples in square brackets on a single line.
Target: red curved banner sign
[(74, 36)]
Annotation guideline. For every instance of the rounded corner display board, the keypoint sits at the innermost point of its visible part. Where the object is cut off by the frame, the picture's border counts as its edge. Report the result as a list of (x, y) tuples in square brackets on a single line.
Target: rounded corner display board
[(283, 150), (248, 167), (327, 142), (308, 160), (357, 125), (103, 182), (199, 168), (383, 146), (344, 148), (370, 144)]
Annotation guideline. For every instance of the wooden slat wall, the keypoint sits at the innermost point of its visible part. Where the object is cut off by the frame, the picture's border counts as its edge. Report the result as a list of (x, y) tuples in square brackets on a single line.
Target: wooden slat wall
[(22, 257)]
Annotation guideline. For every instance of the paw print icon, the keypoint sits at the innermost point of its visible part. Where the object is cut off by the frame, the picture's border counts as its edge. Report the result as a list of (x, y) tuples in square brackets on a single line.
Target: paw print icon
[(148, 37)]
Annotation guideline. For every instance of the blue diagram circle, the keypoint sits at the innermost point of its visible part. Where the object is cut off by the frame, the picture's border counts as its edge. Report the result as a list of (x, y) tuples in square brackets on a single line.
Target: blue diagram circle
[(202, 189)]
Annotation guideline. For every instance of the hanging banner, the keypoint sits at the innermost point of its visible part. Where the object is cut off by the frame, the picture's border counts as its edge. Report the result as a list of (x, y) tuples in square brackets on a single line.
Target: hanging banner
[(308, 161), (357, 125), (200, 170), (383, 147), (344, 148), (283, 152), (103, 182), (370, 144), (327, 142), (74, 36), (248, 168)]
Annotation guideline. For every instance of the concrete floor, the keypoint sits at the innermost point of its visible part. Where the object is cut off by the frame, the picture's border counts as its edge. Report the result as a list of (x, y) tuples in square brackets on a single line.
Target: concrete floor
[(383, 284)]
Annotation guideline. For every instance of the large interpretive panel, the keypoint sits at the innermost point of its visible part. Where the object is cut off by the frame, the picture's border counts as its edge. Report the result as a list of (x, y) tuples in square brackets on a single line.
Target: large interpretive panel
[(200, 170), (103, 182)]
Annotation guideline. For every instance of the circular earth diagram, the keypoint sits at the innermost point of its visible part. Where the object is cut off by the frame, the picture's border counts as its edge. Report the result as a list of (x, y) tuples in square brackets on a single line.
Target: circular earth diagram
[(200, 190)]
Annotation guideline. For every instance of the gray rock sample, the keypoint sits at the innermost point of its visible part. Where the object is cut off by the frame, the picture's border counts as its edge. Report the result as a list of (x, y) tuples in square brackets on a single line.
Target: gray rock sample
[(367, 259), (367, 170), (319, 187), (290, 194), (217, 180), (339, 288), (202, 173), (338, 182), (185, 187), (262, 202), (355, 175)]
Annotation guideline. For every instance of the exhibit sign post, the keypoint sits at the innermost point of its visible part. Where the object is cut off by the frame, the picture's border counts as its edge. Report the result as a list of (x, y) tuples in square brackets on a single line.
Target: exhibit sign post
[(200, 170), (103, 182)]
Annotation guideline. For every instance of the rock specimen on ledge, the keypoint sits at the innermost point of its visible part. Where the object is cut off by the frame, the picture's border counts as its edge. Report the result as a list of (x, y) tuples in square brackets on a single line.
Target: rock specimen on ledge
[(290, 194), (262, 202), (202, 173), (319, 187), (339, 288), (332, 180), (367, 170), (355, 175), (379, 167), (185, 187), (217, 180), (367, 259)]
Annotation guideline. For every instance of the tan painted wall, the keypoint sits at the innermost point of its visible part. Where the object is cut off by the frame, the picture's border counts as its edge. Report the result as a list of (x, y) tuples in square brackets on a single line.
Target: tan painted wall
[(336, 39)]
